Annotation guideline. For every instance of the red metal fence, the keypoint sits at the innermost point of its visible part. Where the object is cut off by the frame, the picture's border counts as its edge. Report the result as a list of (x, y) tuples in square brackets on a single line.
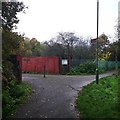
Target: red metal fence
[(36, 64)]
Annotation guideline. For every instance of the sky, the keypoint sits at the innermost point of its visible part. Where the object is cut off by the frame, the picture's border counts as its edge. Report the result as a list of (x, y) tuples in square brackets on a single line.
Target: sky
[(44, 19)]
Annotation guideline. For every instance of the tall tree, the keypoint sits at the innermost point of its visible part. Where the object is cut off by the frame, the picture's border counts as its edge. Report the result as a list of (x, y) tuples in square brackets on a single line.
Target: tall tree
[(112, 50), (103, 44), (67, 40), (10, 40), (9, 14), (54, 49), (82, 49), (35, 47)]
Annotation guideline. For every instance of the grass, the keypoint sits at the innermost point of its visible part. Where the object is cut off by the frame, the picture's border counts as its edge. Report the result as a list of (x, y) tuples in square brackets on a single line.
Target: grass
[(100, 101), (13, 96)]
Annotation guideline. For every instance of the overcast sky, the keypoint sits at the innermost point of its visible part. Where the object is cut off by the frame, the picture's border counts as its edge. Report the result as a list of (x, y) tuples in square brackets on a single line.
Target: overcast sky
[(45, 18)]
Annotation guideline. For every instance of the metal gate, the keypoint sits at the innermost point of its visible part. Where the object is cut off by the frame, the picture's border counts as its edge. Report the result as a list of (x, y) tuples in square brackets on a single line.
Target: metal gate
[(36, 64)]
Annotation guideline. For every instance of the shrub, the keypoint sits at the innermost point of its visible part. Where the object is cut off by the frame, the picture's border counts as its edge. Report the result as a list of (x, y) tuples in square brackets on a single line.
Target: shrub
[(86, 68), (7, 73), (14, 95)]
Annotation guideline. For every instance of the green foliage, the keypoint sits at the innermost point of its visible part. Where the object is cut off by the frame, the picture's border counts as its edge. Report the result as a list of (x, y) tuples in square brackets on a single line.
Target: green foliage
[(112, 50), (99, 101), (74, 71), (88, 67), (85, 68), (32, 47), (9, 14), (7, 73), (10, 40), (14, 95), (10, 43), (54, 49)]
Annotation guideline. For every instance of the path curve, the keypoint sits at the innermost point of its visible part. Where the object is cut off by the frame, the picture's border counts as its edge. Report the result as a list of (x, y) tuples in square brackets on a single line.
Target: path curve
[(53, 96)]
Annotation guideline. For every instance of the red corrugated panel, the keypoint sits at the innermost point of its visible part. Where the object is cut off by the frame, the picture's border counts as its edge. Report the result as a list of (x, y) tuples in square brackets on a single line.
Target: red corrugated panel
[(36, 64)]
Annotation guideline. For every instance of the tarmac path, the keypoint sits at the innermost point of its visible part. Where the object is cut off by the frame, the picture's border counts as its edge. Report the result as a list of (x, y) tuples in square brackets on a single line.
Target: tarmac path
[(53, 96)]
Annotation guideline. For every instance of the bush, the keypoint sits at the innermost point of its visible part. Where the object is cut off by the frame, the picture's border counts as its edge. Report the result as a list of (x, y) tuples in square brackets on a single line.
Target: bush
[(86, 68), (14, 95), (7, 73), (7, 103)]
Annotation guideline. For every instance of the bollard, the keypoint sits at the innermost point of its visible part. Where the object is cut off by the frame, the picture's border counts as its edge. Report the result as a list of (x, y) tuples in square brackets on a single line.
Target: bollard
[(44, 71)]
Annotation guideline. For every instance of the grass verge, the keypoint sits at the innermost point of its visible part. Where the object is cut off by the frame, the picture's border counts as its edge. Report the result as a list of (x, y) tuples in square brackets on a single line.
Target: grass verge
[(100, 101), (13, 96)]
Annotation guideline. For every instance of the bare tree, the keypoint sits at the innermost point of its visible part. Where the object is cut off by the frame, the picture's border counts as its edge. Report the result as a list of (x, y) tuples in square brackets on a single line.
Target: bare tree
[(68, 40)]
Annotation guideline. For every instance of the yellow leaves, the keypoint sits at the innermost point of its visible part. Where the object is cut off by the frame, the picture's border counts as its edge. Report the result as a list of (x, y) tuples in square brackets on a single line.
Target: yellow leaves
[(104, 56)]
